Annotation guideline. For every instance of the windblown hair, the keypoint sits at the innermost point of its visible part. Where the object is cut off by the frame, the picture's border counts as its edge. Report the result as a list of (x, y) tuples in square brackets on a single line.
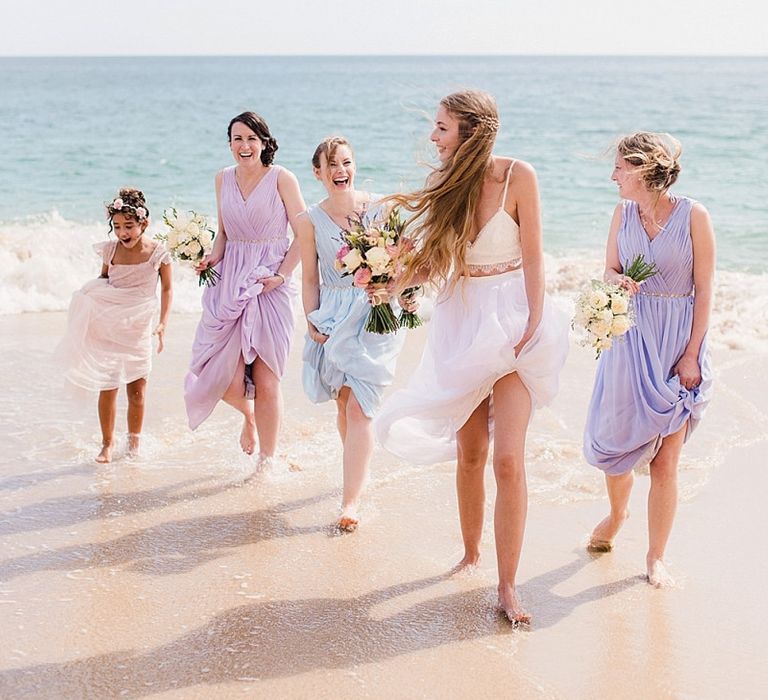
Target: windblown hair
[(129, 201), (328, 147), (259, 127), (444, 209), (655, 155)]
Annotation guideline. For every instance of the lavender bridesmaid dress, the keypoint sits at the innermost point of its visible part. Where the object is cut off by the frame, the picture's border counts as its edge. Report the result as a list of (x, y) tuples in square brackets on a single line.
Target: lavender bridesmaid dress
[(637, 399), (237, 318)]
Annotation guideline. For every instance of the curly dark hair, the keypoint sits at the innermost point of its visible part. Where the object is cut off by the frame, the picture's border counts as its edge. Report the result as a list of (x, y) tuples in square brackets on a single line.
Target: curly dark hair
[(259, 127), (129, 201)]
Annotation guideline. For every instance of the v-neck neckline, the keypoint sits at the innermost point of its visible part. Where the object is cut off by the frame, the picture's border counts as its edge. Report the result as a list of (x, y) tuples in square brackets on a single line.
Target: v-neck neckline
[(336, 223), (255, 187), (664, 226)]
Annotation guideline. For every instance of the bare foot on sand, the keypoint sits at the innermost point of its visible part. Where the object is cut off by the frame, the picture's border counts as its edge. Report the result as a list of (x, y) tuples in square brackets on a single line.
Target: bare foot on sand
[(105, 456), (348, 520), (347, 524), (467, 565), (601, 539), (510, 606), (658, 575), (133, 445), (248, 436)]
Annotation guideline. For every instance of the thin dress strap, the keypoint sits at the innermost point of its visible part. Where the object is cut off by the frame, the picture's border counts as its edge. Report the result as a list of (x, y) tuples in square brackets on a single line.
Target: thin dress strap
[(506, 185)]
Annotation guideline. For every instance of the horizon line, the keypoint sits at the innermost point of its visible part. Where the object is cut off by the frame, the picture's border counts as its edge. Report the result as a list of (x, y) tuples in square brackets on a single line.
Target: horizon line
[(394, 55)]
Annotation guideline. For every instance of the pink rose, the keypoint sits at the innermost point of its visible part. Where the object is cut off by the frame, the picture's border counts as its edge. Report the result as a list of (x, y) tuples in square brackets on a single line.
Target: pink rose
[(141, 212), (362, 277), (117, 204), (393, 251), (342, 252)]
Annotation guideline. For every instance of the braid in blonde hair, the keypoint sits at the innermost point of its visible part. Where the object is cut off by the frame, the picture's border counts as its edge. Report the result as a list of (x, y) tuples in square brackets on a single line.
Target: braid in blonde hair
[(445, 207)]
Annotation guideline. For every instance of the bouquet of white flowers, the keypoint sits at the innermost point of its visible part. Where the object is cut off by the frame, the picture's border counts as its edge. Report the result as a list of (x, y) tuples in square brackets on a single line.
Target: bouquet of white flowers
[(603, 311), (189, 239)]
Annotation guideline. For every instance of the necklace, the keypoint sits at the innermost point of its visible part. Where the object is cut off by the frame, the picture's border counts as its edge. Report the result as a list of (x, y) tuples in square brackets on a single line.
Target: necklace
[(649, 221)]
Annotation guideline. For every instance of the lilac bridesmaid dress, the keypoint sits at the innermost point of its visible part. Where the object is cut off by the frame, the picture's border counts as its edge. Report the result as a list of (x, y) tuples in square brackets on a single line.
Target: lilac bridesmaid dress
[(637, 399), (237, 318)]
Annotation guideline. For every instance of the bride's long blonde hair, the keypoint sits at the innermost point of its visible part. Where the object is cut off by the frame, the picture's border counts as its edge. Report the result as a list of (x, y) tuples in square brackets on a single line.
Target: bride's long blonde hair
[(444, 209)]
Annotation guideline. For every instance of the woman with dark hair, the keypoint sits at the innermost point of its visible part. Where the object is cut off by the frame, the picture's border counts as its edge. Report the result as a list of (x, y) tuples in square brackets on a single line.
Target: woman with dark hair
[(242, 341)]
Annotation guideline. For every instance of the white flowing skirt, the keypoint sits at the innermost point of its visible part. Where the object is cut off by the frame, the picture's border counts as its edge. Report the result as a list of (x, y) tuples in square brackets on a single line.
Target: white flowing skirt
[(470, 346)]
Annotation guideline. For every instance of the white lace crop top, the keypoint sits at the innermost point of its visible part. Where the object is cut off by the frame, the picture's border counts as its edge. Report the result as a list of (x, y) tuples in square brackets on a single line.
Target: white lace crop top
[(496, 247)]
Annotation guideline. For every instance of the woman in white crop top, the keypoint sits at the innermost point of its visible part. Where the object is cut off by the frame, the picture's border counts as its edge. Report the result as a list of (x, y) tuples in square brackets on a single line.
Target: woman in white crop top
[(495, 344)]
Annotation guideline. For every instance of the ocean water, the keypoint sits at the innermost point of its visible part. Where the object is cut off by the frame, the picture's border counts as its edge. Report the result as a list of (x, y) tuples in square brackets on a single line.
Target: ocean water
[(73, 130)]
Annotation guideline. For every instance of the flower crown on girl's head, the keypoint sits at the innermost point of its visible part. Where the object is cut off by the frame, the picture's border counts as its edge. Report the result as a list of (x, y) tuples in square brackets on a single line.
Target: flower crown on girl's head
[(119, 206)]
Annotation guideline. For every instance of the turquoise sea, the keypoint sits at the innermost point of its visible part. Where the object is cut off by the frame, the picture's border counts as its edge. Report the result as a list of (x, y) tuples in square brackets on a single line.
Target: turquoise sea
[(72, 130)]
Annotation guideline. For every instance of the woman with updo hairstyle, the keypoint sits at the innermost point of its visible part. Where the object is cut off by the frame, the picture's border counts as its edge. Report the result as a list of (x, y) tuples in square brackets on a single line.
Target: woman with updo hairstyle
[(243, 338), (651, 390), (495, 344)]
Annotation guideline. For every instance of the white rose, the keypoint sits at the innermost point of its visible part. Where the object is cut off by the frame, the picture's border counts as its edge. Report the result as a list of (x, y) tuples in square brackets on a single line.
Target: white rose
[(194, 249), (205, 238), (193, 229), (599, 328), (620, 325), (603, 344), (582, 316), (352, 260), (598, 299), (378, 259), (605, 315), (182, 219), (619, 303)]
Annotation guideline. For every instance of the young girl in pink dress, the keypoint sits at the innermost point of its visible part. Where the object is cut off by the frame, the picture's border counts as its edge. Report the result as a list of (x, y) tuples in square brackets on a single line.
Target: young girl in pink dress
[(109, 333)]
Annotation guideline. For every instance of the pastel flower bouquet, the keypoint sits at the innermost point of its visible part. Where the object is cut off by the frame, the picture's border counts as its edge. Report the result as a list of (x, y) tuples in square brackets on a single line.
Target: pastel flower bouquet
[(377, 253), (188, 239), (603, 311)]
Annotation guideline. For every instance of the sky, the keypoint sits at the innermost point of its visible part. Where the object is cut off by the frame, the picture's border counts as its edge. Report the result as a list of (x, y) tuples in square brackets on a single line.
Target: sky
[(353, 27)]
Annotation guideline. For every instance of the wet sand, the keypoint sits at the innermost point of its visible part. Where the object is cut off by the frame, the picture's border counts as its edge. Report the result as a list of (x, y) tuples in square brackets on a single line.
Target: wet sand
[(175, 577)]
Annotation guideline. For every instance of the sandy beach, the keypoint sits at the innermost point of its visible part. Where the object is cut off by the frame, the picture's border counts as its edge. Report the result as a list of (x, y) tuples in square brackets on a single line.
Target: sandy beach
[(184, 575)]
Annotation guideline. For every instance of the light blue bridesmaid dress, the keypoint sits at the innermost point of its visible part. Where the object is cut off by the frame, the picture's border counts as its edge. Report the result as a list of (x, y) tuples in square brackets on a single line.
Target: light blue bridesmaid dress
[(637, 399), (353, 357)]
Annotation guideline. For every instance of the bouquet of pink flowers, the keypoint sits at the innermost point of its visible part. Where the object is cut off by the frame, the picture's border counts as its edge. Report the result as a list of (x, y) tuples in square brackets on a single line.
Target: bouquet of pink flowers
[(377, 253)]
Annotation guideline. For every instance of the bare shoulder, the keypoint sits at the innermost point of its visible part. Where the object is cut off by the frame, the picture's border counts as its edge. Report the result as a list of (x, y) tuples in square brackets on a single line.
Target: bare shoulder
[(522, 173), (699, 212), (285, 176), (519, 167)]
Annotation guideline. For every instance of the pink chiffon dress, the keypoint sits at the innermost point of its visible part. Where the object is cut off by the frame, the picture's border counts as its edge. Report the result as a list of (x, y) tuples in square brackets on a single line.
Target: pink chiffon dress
[(109, 331)]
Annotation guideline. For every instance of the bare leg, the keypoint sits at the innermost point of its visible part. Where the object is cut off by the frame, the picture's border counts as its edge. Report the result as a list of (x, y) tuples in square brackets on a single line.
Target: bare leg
[(512, 411), (358, 448), (107, 414), (235, 397), (267, 408), (662, 505), (471, 456), (135, 391), (619, 489), (341, 414)]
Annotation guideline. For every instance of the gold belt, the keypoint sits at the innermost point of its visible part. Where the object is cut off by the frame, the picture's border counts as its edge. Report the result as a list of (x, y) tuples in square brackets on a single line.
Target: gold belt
[(665, 295)]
